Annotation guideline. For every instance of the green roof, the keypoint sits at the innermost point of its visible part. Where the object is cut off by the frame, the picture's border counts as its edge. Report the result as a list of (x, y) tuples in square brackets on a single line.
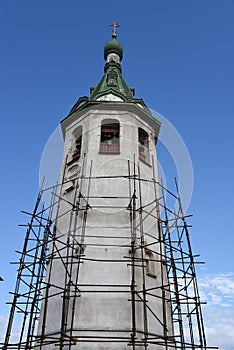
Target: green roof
[(112, 82)]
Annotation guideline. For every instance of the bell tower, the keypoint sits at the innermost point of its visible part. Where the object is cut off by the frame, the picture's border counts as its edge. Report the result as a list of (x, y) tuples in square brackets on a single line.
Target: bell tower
[(111, 267), (111, 257)]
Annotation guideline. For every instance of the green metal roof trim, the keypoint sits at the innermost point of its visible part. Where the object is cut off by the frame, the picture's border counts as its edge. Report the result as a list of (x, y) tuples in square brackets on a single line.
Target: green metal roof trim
[(81, 103)]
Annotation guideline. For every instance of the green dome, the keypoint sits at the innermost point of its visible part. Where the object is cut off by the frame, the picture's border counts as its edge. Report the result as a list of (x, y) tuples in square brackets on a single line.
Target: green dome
[(113, 46)]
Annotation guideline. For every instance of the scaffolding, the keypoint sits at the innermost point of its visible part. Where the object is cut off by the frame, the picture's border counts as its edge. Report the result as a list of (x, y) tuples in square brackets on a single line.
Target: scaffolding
[(171, 248)]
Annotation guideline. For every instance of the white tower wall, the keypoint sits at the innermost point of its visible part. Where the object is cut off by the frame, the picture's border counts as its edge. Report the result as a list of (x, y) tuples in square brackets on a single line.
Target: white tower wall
[(108, 251)]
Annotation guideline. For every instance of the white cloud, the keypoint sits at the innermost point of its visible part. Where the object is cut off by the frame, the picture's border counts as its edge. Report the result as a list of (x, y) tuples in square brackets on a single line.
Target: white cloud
[(219, 327), (218, 291)]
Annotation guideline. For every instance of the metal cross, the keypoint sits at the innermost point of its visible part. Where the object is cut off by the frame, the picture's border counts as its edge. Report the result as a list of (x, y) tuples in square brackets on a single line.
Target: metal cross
[(114, 25)]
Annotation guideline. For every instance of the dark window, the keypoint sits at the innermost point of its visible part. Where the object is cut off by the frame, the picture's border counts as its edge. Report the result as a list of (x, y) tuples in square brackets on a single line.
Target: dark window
[(77, 143), (143, 141), (109, 136)]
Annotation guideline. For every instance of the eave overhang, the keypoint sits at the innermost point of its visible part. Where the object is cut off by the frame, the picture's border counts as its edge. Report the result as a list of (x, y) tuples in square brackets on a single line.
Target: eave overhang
[(142, 113)]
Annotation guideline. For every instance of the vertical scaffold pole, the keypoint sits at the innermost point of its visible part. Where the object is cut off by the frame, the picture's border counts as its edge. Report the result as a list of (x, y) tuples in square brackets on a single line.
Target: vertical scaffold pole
[(163, 271), (132, 209), (172, 266), (142, 252), (197, 303)]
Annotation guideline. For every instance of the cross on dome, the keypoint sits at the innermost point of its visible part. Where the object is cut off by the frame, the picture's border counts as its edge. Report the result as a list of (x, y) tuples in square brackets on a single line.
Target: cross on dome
[(114, 25)]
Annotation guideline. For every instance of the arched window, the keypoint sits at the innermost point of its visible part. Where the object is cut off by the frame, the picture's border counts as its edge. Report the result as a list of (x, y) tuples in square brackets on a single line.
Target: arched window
[(77, 143), (109, 136), (143, 141)]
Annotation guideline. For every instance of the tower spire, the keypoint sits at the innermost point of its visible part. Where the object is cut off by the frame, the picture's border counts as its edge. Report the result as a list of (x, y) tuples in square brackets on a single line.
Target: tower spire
[(115, 25)]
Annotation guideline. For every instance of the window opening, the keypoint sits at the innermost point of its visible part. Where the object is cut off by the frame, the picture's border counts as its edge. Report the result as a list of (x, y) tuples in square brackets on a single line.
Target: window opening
[(77, 143), (76, 153), (143, 140), (109, 136)]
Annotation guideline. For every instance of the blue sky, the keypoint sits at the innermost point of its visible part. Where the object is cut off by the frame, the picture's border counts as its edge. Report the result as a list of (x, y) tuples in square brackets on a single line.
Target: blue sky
[(178, 54)]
